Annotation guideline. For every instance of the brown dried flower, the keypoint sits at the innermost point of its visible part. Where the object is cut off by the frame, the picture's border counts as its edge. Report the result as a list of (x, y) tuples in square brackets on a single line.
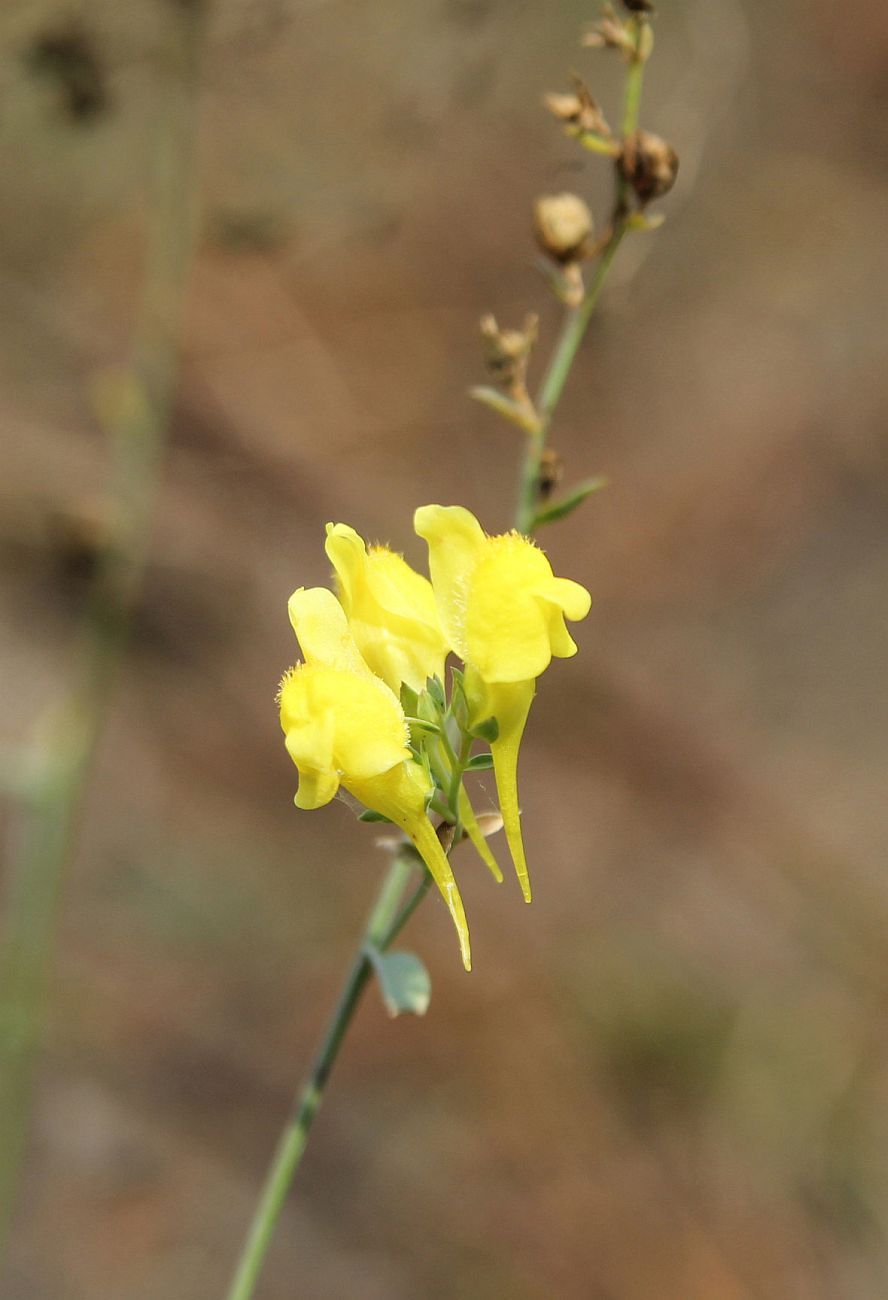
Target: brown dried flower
[(506, 351), (610, 33), (649, 164), (563, 226), (639, 6), (551, 472), (578, 111)]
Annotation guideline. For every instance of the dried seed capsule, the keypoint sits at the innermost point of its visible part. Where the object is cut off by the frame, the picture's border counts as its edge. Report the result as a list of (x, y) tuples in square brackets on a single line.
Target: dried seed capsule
[(506, 351), (578, 110), (550, 474), (649, 164), (562, 224), (610, 33)]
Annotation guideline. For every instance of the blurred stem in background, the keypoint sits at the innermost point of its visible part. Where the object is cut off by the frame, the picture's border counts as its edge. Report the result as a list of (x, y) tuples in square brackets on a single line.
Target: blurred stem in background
[(136, 407), (389, 914)]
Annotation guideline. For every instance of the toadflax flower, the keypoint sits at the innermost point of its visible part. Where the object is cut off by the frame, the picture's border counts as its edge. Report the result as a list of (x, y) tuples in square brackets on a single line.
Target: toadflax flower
[(390, 608), (393, 615), (502, 610), (344, 726)]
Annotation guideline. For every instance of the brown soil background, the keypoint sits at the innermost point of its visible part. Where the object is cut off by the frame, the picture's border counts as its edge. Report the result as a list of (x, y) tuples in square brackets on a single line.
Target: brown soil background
[(667, 1079)]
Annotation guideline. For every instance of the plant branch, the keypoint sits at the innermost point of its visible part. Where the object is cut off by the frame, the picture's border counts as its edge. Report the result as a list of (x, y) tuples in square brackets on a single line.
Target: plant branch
[(576, 318)]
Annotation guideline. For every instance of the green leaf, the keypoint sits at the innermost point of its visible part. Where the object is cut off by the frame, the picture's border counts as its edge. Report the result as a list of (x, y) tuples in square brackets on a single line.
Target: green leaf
[(403, 981), (487, 730), (566, 506), (480, 763), (368, 815)]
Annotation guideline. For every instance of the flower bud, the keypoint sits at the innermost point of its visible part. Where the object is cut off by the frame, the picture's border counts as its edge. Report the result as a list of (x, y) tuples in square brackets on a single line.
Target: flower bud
[(649, 164), (562, 225)]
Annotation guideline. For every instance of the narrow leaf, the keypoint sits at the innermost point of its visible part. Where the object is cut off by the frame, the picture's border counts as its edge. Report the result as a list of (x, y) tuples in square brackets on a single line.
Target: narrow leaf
[(561, 509), (368, 815), (403, 981), (480, 763), (516, 412)]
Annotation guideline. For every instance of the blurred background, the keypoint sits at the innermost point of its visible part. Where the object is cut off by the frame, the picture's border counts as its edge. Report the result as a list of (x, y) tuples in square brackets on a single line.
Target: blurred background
[(668, 1078)]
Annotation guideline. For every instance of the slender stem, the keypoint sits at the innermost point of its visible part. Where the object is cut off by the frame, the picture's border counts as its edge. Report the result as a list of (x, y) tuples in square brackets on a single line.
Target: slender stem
[(62, 763), (459, 767), (576, 319), (632, 89), (383, 925)]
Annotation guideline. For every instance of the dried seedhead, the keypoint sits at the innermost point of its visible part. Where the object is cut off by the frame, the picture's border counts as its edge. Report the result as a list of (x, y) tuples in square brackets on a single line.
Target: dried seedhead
[(550, 474), (579, 111), (563, 226), (506, 352), (611, 33), (649, 164), (69, 56)]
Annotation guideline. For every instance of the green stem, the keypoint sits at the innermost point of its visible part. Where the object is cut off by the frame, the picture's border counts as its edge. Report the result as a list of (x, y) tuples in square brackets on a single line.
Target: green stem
[(459, 767), (633, 88), (384, 924), (576, 321), (70, 732)]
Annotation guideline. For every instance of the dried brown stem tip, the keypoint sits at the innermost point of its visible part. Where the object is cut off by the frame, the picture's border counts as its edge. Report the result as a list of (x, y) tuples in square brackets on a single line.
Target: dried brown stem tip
[(550, 474), (611, 33), (578, 111), (639, 6), (563, 226), (649, 164), (506, 351)]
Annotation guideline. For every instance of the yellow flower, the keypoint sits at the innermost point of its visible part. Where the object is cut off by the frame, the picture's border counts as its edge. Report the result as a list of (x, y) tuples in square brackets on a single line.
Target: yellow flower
[(391, 610), (502, 610), (344, 726)]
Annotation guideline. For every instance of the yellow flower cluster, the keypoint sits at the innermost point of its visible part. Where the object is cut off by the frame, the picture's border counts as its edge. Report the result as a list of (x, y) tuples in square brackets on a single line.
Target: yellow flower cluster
[(380, 644)]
